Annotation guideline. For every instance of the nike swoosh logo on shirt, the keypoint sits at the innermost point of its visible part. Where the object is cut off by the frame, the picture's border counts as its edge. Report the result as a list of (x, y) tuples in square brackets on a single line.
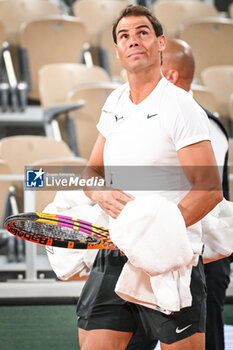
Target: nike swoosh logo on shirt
[(182, 329), (118, 118), (151, 115)]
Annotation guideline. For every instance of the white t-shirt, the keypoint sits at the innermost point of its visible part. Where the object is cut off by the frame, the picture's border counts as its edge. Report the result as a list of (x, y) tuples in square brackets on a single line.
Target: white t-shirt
[(219, 144), (150, 134)]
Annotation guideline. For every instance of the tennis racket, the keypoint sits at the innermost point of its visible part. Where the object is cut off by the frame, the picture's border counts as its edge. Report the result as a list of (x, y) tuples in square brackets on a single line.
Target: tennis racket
[(59, 231)]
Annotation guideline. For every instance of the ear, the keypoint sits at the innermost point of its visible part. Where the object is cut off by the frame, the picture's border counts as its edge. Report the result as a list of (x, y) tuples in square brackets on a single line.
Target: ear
[(162, 43), (172, 75), (117, 56)]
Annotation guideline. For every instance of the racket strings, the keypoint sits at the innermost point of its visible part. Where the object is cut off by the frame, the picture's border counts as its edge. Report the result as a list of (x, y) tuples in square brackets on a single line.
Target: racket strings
[(54, 231), (80, 225)]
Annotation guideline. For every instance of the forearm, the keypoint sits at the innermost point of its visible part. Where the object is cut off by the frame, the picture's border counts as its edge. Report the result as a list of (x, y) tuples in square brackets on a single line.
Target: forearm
[(97, 173), (197, 204), (112, 201), (200, 168)]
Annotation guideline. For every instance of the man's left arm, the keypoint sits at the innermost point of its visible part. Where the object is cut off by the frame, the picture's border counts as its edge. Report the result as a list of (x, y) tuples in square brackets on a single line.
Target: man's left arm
[(199, 164)]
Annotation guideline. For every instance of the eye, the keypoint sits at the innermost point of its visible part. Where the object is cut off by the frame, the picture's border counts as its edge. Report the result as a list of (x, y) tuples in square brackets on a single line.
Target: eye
[(143, 33), (124, 36)]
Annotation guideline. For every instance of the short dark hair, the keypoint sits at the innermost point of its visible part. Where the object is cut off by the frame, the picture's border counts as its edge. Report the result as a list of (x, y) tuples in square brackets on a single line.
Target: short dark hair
[(137, 10)]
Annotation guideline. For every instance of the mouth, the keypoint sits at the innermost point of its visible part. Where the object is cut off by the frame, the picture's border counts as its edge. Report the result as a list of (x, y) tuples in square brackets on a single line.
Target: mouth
[(136, 53)]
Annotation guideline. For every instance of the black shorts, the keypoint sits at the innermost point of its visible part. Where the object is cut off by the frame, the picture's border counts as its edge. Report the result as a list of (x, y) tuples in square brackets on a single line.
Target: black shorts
[(99, 307)]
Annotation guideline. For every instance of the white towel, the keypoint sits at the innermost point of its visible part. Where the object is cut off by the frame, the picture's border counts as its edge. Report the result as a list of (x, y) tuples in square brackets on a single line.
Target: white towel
[(151, 232), (168, 292), (217, 229), (67, 263)]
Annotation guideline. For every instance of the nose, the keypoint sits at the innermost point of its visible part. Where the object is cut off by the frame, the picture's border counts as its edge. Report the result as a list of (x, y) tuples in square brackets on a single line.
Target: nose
[(133, 41), (133, 44)]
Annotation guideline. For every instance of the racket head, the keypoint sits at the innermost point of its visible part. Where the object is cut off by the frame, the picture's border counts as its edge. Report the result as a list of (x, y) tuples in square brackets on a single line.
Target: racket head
[(59, 231)]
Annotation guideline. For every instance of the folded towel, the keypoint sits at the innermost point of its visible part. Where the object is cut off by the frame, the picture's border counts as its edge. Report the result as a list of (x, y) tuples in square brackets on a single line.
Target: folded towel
[(151, 232), (167, 293), (217, 229)]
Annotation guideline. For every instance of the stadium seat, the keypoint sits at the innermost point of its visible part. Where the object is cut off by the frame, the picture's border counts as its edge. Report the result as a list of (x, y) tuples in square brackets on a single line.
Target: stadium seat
[(63, 165), (4, 188), (174, 12), (15, 12), (219, 80), (230, 106), (108, 47), (86, 118), (8, 206), (51, 40), (205, 97), (97, 15), (20, 151), (211, 41), (55, 80)]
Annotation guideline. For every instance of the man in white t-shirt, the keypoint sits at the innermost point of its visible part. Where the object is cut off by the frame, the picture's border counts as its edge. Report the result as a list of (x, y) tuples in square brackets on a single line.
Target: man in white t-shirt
[(178, 67), (147, 121)]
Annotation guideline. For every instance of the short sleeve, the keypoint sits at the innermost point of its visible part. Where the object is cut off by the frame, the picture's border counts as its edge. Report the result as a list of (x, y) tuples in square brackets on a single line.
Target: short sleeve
[(109, 110), (104, 124), (190, 124)]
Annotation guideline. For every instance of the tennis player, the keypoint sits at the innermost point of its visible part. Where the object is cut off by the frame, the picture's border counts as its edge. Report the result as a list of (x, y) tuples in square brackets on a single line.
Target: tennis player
[(147, 121)]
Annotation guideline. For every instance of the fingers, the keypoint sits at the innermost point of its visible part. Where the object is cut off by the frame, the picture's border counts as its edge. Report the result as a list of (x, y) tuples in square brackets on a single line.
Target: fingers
[(116, 200), (112, 201), (123, 197), (112, 207)]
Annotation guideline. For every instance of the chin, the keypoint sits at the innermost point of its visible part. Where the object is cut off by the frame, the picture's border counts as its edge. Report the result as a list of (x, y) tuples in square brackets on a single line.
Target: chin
[(136, 66)]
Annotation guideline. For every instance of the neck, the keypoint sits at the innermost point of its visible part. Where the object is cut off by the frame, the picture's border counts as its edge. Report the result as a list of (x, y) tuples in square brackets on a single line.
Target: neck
[(142, 84), (184, 84)]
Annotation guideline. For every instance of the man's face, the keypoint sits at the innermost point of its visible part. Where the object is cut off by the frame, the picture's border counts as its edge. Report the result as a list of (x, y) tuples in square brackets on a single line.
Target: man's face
[(137, 45)]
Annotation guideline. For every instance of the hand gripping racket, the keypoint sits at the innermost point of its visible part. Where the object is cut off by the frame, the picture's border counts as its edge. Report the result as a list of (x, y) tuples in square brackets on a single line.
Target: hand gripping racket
[(59, 231)]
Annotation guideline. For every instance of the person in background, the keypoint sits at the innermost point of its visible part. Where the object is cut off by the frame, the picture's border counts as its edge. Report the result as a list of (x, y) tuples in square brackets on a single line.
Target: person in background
[(178, 67)]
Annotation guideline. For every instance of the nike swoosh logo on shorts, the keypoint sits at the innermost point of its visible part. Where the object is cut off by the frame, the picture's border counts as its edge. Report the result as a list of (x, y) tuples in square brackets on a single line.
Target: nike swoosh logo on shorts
[(182, 329), (151, 115)]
